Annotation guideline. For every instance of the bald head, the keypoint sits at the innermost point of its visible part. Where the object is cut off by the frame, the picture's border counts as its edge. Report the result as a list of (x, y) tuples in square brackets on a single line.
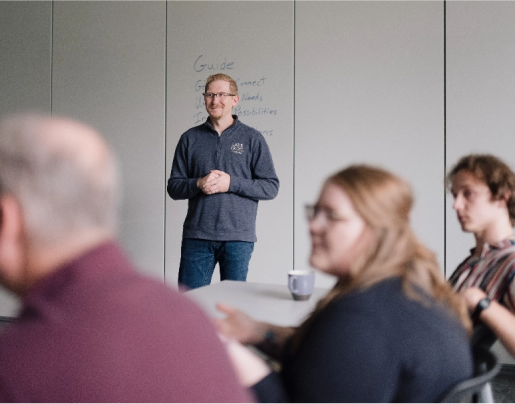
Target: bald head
[(63, 175)]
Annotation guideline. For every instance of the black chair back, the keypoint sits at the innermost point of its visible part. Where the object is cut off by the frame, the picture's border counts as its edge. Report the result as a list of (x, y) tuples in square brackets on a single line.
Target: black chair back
[(483, 335), (486, 367)]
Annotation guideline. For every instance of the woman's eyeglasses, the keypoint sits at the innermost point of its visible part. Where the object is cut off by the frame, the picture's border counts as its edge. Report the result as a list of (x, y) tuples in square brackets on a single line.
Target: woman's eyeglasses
[(326, 214)]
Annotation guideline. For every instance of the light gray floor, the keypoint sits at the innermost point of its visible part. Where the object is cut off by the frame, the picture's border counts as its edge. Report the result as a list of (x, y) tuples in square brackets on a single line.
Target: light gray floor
[(504, 385)]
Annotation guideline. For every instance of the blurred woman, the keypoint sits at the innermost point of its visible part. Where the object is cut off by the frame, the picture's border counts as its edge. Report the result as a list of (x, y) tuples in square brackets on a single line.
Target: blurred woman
[(390, 330)]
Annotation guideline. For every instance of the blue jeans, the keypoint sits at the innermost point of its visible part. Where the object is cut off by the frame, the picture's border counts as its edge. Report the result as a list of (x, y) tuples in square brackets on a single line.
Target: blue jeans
[(199, 258)]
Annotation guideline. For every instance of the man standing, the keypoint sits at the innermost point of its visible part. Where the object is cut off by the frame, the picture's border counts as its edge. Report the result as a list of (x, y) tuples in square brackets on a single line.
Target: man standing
[(91, 329), (484, 199), (223, 168)]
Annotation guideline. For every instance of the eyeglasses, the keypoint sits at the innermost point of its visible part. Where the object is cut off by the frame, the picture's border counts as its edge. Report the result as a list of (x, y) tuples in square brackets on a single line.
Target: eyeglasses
[(327, 215), (220, 95)]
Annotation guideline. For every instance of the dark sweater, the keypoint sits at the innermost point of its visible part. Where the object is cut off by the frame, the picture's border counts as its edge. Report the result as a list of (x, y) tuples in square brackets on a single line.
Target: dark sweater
[(97, 331), (374, 345), (241, 152)]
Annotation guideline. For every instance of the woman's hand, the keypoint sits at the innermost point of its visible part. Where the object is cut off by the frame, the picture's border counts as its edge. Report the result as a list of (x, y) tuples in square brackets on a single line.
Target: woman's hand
[(249, 367), (239, 326), (268, 338)]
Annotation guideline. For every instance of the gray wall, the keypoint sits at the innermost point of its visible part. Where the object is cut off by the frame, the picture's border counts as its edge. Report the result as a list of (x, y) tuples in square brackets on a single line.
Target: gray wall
[(369, 88), (25, 66), (108, 69), (410, 86)]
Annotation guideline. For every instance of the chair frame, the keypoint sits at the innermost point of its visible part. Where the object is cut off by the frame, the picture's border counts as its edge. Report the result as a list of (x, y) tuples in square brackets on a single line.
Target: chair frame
[(477, 388)]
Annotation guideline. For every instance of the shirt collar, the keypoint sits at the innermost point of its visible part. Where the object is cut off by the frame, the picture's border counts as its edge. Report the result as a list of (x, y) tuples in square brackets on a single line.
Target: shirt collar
[(207, 122), (498, 245)]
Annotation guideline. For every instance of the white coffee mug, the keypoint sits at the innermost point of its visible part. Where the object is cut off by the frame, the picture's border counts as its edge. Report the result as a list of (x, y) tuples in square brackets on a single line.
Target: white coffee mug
[(301, 283)]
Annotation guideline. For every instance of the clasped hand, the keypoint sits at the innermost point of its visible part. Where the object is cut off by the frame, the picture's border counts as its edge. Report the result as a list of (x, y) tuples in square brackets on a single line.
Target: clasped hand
[(215, 182)]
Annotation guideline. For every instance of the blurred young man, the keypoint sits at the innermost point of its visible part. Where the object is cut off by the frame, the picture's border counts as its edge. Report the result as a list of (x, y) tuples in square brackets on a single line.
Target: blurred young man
[(91, 328), (484, 199), (223, 167)]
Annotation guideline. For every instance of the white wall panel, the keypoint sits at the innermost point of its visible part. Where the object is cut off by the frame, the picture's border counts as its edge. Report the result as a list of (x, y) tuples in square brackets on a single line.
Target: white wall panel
[(25, 43), (480, 94), (109, 71), (369, 89)]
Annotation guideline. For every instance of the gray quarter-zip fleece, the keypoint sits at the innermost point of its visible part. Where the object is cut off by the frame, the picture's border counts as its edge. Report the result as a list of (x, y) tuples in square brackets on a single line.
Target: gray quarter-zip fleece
[(241, 152)]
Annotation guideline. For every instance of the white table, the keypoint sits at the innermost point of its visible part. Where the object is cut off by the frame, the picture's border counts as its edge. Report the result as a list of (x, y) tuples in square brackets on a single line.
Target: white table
[(263, 302)]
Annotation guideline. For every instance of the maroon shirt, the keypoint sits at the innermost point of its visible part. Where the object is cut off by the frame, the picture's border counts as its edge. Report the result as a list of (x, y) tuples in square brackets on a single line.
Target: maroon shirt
[(97, 331)]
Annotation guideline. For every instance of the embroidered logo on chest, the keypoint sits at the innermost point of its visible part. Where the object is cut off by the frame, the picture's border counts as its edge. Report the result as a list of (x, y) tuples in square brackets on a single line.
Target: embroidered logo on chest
[(237, 148)]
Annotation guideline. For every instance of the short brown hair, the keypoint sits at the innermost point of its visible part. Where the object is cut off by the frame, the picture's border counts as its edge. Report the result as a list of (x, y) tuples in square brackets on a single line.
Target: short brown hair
[(220, 76), (494, 172)]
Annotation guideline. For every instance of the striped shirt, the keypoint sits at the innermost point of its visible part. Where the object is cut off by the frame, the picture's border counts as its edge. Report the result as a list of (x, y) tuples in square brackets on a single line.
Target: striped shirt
[(493, 271)]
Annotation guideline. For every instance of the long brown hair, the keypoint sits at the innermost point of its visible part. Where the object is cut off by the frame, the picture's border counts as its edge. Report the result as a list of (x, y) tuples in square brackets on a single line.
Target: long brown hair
[(384, 202)]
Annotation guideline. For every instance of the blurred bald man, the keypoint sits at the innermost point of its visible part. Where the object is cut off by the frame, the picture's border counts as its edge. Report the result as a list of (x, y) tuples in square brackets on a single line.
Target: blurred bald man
[(91, 329)]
